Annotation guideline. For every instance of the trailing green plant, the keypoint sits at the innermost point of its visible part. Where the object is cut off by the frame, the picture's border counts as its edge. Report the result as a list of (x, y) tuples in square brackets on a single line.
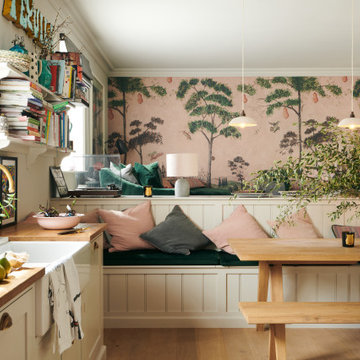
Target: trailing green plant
[(326, 171)]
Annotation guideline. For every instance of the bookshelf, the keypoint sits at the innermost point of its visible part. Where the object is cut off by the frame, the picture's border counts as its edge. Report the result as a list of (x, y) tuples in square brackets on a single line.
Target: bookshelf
[(31, 149)]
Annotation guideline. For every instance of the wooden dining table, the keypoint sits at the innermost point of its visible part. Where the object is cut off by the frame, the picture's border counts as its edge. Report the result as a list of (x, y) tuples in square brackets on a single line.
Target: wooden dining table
[(272, 254)]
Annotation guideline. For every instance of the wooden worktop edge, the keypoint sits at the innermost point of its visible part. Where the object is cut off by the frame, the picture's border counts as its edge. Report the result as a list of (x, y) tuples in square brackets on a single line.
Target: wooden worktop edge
[(17, 285)]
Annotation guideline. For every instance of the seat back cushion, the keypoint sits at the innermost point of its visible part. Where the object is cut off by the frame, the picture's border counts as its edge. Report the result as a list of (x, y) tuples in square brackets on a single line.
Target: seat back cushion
[(300, 226), (338, 229), (126, 226), (176, 234), (240, 224)]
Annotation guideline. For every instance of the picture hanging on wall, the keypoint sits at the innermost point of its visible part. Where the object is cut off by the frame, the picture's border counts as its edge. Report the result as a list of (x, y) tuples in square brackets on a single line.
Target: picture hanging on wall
[(59, 180), (8, 212)]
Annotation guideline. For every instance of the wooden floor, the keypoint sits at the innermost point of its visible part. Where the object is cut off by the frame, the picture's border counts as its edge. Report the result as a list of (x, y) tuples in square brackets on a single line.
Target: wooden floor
[(229, 344)]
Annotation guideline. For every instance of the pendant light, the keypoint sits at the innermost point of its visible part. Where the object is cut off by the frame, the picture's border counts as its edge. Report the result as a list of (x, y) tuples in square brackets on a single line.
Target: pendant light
[(242, 121), (351, 122)]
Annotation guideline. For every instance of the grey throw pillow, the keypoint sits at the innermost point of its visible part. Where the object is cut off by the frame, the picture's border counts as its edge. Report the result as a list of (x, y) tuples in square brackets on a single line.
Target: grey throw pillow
[(125, 173), (176, 234)]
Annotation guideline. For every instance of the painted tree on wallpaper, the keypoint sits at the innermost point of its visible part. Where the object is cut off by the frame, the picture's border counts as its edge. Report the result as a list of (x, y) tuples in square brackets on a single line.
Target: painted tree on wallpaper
[(124, 87), (208, 103), (237, 165), (142, 134), (289, 98)]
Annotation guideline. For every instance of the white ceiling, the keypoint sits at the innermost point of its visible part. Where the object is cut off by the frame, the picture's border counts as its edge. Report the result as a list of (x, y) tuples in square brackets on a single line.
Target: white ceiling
[(148, 35)]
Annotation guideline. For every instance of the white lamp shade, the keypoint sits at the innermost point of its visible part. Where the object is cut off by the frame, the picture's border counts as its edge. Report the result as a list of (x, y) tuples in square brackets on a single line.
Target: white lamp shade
[(243, 122), (350, 122), (183, 165)]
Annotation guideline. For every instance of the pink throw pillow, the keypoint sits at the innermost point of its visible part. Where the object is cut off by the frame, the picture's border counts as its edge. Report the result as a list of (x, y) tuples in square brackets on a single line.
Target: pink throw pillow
[(302, 227), (126, 226), (90, 217), (240, 224)]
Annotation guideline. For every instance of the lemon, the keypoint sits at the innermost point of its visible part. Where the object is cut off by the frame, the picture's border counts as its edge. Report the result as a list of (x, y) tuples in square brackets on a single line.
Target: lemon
[(2, 273), (4, 262)]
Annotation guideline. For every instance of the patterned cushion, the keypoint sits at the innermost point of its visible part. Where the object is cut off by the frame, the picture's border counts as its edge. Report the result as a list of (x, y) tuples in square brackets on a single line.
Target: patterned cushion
[(338, 229)]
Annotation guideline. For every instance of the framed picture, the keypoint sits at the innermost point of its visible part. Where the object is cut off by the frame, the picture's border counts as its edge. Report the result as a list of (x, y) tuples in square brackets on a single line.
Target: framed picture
[(9, 213), (59, 180)]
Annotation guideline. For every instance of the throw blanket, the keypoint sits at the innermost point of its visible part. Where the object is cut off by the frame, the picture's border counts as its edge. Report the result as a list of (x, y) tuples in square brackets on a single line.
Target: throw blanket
[(65, 300)]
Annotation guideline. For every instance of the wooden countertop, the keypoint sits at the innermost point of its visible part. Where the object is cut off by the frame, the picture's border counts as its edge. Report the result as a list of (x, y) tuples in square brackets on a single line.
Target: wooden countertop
[(17, 282), (34, 232)]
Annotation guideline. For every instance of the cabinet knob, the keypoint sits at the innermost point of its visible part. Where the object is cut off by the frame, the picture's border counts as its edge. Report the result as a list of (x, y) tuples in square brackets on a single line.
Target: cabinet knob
[(5, 321)]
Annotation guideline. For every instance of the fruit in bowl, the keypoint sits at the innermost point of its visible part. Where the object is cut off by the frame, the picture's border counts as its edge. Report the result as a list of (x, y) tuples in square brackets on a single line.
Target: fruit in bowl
[(49, 218)]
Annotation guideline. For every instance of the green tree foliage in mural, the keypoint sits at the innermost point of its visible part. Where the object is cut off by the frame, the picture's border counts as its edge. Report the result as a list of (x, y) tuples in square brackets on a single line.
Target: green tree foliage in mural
[(237, 166), (124, 87), (143, 134), (289, 98), (208, 103)]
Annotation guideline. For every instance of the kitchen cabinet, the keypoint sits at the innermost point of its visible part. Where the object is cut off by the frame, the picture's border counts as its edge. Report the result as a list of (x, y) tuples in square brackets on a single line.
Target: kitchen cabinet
[(17, 327)]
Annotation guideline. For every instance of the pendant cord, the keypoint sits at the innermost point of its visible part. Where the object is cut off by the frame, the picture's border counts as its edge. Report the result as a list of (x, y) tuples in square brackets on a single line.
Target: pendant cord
[(243, 55), (352, 56)]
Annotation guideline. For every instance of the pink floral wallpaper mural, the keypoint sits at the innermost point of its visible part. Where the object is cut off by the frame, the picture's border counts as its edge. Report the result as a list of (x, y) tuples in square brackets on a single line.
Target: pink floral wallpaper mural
[(156, 116)]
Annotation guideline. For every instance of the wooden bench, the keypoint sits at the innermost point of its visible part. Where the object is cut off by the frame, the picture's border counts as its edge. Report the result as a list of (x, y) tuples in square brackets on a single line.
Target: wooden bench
[(277, 314)]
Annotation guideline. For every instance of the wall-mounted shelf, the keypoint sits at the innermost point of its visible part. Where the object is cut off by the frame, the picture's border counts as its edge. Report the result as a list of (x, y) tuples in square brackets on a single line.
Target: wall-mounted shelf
[(32, 150), (6, 70)]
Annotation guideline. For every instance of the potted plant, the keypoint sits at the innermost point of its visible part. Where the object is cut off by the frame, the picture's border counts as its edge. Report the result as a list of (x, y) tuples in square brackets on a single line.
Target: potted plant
[(328, 169)]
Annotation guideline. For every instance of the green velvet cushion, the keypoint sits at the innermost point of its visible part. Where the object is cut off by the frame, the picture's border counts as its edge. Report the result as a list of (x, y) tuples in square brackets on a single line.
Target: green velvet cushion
[(155, 257), (209, 191), (176, 234), (227, 259), (148, 174)]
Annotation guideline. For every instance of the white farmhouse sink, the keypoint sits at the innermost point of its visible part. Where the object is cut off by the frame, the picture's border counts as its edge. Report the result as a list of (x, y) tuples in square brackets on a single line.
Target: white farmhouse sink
[(49, 254)]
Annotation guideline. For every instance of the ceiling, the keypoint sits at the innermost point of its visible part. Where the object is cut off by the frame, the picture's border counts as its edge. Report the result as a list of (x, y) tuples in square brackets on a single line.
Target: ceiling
[(189, 35)]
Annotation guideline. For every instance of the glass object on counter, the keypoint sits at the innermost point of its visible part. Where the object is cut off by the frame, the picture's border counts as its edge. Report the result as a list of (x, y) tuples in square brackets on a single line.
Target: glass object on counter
[(91, 171)]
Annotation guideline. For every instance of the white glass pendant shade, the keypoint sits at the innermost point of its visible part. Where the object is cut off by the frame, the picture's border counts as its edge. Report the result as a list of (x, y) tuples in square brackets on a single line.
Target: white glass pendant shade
[(351, 122), (243, 121)]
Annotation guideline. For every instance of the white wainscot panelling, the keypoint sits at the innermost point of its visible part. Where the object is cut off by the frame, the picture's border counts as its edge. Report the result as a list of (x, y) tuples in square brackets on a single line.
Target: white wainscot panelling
[(208, 296)]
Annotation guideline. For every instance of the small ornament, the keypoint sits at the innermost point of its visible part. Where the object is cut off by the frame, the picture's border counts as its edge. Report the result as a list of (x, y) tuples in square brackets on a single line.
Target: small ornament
[(4, 125), (245, 99), (34, 70), (18, 45), (169, 80), (344, 78)]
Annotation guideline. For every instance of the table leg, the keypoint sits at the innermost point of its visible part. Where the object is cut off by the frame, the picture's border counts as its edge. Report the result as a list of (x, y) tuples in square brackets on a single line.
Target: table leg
[(277, 290), (277, 344), (263, 286)]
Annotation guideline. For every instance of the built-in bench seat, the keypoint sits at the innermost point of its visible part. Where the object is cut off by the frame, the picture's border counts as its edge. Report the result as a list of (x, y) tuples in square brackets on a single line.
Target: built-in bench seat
[(158, 258)]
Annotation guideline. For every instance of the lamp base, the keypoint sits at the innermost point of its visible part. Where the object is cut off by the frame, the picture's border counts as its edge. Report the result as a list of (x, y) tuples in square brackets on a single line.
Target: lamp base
[(182, 188)]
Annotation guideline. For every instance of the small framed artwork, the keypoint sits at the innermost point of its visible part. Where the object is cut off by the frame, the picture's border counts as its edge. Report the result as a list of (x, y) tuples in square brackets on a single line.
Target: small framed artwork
[(59, 180), (8, 200)]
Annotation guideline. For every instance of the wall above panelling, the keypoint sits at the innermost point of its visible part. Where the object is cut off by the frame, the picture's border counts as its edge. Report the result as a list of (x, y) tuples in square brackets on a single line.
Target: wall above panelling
[(178, 114)]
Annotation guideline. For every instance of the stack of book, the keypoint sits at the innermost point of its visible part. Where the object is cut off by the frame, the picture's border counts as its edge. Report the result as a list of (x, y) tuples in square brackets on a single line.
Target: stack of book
[(30, 117)]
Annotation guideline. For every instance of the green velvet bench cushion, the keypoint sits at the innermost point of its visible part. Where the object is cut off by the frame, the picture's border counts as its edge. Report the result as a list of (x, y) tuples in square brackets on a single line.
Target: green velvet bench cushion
[(227, 259), (156, 257)]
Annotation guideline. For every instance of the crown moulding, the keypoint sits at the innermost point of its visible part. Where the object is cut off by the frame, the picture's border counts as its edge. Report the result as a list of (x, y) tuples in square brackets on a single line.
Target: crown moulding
[(153, 72)]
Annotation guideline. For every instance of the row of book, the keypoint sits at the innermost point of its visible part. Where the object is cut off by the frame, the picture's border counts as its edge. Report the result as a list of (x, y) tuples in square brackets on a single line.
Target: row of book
[(30, 117), (67, 79)]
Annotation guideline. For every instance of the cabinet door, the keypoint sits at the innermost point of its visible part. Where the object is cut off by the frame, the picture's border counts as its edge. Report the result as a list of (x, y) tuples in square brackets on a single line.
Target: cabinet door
[(92, 315), (17, 341)]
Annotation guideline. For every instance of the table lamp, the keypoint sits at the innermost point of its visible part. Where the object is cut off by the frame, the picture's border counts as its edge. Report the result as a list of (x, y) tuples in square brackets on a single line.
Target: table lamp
[(182, 165)]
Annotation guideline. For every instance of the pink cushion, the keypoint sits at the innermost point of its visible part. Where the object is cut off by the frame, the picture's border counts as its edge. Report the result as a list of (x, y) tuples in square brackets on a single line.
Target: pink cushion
[(90, 217), (126, 226), (240, 224), (302, 227)]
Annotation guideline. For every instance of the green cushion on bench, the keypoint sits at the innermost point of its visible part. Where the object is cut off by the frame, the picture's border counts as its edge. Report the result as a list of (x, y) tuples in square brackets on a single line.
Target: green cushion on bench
[(227, 259), (156, 257)]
